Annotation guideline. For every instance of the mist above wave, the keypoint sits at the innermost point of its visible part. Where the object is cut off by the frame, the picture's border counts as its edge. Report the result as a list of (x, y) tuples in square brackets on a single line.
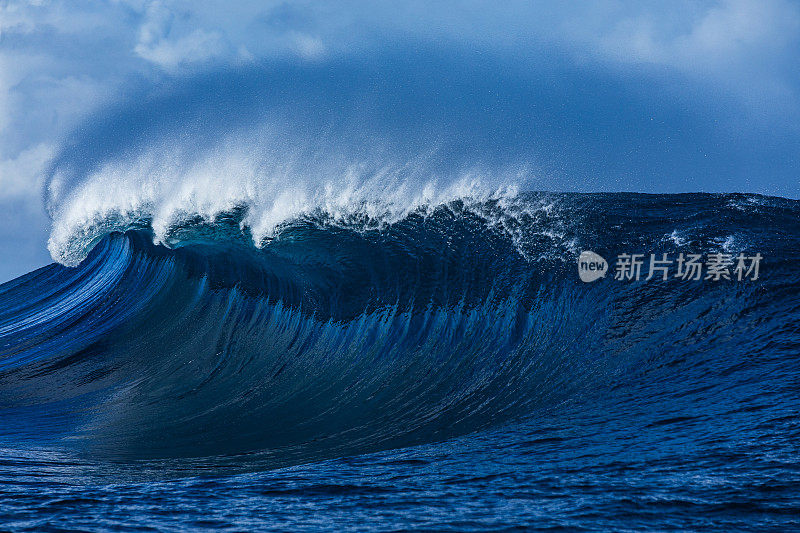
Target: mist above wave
[(280, 142)]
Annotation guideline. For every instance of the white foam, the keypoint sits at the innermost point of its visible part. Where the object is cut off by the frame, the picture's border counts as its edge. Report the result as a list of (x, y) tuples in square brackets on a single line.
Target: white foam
[(170, 182), (677, 238)]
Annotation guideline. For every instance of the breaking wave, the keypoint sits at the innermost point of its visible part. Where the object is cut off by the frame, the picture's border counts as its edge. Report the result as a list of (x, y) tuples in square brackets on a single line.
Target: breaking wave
[(242, 271), (332, 339)]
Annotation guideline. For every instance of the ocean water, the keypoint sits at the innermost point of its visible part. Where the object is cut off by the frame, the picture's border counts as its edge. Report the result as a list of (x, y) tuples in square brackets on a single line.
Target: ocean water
[(436, 367)]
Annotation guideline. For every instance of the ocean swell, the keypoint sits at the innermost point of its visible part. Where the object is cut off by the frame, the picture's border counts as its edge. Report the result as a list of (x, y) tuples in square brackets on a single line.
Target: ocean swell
[(331, 340)]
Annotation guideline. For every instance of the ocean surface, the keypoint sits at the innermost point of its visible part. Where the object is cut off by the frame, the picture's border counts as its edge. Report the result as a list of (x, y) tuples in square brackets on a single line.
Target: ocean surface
[(440, 368)]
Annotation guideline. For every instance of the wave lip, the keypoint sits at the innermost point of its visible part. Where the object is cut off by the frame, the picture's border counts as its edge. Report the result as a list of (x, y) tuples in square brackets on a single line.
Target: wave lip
[(169, 207)]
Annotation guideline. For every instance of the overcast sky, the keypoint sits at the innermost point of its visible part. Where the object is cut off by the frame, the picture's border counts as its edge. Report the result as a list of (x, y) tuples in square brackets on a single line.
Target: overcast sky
[(620, 95)]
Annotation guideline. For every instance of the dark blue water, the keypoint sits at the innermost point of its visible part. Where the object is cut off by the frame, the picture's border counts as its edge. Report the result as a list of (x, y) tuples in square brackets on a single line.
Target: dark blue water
[(448, 371)]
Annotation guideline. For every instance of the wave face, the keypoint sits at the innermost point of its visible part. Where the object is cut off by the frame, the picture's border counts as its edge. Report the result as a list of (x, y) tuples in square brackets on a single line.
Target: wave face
[(461, 328), (328, 340), (336, 339)]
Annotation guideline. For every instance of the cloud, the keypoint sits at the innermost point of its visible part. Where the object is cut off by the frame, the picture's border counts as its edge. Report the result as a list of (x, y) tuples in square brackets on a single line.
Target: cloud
[(159, 43), (308, 46), (732, 32), (196, 47), (29, 167)]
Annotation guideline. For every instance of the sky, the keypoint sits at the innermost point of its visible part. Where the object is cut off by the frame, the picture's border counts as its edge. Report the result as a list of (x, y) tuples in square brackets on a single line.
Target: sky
[(590, 96)]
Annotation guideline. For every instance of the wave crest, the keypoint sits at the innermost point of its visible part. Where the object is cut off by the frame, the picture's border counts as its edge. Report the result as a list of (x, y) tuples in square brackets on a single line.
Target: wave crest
[(280, 143)]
